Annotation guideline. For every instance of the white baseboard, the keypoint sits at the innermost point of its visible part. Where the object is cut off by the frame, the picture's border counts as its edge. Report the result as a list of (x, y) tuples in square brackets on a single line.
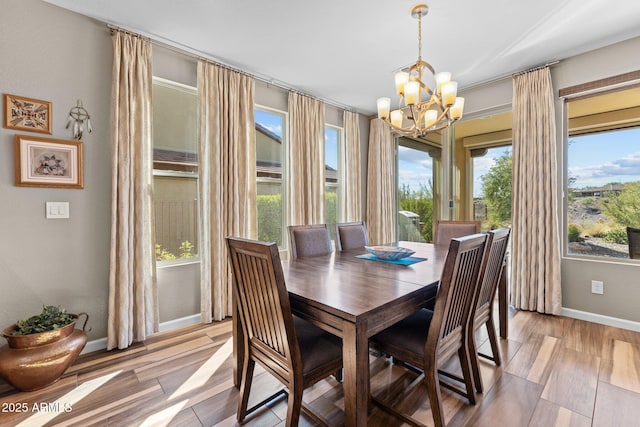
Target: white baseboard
[(95, 345), (601, 319), (180, 323), (101, 343)]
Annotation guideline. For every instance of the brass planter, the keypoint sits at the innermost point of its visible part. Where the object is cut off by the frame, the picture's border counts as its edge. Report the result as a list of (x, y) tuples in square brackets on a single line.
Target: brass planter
[(31, 362)]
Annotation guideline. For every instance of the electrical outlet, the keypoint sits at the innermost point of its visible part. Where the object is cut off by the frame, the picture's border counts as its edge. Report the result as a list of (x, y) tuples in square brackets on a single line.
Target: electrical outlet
[(597, 287)]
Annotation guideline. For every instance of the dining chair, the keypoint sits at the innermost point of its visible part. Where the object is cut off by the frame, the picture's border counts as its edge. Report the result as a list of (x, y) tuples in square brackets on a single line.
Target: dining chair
[(447, 230), (429, 338), (491, 272), (291, 349), (309, 240), (351, 235), (633, 236)]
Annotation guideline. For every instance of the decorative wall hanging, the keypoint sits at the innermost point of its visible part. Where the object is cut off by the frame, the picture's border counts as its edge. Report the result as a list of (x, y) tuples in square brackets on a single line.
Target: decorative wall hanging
[(47, 162), (27, 114), (77, 117)]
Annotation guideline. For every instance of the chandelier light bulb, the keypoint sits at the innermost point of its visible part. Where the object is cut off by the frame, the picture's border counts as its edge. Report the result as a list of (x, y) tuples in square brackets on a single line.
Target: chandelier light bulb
[(457, 108), (442, 78), (401, 78), (449, 92), (396, 118), (384, 105), (430, 118), (412, 92)]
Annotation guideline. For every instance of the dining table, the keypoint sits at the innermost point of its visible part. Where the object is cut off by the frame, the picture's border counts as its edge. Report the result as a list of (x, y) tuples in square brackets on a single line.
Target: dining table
[(355, 297)]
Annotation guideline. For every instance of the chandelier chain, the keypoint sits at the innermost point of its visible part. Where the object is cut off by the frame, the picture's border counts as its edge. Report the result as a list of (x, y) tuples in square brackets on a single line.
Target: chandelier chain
[(420, 35)]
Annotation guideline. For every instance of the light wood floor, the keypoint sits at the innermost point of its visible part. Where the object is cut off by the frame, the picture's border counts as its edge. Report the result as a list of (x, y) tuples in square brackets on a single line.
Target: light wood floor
[(556, 372)]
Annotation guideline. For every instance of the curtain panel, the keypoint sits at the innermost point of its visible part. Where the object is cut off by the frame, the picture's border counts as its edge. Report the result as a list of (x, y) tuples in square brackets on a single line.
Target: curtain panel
[(227, 179), (306, 160), (381, 184), (536, 239), (351, 180), (133, 308)]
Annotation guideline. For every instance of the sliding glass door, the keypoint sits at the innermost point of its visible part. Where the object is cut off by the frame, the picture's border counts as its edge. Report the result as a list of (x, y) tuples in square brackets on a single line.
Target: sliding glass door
[(418, 177)]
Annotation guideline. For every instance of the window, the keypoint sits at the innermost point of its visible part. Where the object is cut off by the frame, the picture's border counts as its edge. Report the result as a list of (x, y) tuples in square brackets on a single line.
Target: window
[(269, 153), (603, 173), (417, 167), (175, 170), (492, 186), (332, 138), (484, 156)]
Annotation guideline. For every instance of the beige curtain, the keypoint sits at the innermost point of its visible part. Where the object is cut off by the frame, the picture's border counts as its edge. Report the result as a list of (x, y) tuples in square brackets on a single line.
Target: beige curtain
[(306, 160), (227, 179), (350, 177), (133, 308), (381, 188), (536, 242)]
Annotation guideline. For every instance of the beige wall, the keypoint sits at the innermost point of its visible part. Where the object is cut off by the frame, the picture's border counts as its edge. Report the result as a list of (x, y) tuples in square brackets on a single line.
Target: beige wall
[(51, 54)]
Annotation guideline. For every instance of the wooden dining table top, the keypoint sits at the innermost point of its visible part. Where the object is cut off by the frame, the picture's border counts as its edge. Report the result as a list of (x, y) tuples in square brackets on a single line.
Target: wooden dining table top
[(352, 288)]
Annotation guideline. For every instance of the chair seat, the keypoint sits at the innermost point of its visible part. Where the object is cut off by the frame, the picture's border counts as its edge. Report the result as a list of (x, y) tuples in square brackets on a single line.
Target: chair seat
[(317, 347), (409, 334)]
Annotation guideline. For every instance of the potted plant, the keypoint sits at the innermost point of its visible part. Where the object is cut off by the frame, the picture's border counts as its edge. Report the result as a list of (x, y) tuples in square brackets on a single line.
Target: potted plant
[(41, 348)]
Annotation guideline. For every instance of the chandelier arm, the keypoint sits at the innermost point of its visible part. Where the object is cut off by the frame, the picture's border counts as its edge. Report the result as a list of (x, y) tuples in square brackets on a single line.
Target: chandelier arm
[(403, 131)]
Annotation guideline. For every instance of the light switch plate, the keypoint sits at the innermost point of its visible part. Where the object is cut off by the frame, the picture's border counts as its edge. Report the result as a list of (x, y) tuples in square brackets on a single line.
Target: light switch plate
[(597, 287), (57, 210)]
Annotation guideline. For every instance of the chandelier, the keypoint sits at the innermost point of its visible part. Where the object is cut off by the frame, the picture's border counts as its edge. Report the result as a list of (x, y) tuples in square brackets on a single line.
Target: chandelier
[(417, 115)]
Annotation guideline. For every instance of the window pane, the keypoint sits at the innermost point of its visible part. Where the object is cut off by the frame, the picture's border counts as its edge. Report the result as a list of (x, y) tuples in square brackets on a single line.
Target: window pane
[(175, 167), (603, 194), (492, 176), (269, 142), (415, 192), (331, 153), (603, 172), (176, 217)]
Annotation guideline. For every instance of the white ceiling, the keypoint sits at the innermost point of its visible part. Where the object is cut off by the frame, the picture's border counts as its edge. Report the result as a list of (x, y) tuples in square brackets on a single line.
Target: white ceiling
[(346, 51)]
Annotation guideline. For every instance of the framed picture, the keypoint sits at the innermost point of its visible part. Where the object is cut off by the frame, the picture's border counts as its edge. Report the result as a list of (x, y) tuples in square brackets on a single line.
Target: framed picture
[(47, 162), (27, 114)]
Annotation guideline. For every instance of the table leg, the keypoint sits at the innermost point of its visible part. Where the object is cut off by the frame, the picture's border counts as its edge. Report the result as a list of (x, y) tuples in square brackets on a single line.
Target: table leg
[(503, 308), (355, 351)]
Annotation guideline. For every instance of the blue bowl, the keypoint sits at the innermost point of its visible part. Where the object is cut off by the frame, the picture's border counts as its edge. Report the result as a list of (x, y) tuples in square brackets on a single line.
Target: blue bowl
[(389, 252)]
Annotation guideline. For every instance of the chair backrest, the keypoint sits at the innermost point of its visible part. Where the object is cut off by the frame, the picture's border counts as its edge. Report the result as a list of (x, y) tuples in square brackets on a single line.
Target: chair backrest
[(633, 235), (447, 230), (351, 235), (263, 305), (458, 285), (491, 271), (309, 240)]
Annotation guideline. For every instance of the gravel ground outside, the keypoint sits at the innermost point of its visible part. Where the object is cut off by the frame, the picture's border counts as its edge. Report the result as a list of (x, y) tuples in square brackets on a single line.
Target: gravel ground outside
[(597, 247)]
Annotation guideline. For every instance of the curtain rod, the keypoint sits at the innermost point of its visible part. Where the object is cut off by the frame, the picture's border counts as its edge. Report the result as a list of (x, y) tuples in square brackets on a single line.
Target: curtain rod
[(536, 68), (193, 53)]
